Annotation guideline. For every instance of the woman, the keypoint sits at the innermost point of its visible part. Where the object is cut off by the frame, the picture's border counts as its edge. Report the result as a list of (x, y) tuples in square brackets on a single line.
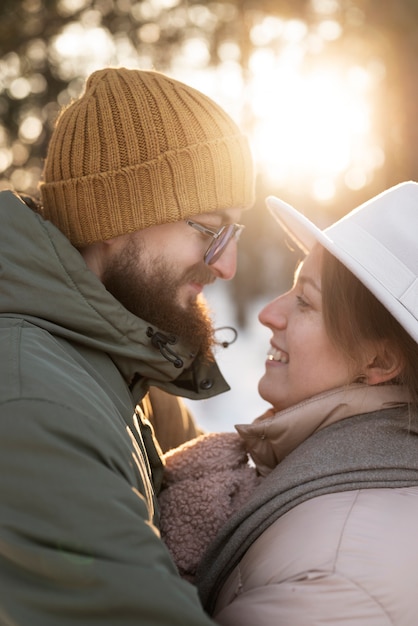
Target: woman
[(330, 534)]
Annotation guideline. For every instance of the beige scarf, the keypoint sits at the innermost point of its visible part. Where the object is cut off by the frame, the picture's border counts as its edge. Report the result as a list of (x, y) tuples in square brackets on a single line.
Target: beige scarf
[(271, 437)]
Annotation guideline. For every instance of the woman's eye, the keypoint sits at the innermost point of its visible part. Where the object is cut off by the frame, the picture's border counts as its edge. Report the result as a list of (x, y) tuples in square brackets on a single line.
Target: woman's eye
[(302, 303)]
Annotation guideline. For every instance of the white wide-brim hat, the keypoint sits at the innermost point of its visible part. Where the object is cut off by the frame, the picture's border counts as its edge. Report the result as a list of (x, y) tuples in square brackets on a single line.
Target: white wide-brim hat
[(377, 242)]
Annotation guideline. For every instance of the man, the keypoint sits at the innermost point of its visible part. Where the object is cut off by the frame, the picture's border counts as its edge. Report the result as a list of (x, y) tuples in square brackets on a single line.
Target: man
[(143, 184)]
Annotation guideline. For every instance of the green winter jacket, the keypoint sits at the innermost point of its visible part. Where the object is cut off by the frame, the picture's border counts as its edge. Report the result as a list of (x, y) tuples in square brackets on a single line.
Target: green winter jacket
[(79, 542)]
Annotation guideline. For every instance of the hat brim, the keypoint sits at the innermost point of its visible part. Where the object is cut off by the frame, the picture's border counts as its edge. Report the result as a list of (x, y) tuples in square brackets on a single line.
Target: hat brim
[(305, 234), (302, 231)]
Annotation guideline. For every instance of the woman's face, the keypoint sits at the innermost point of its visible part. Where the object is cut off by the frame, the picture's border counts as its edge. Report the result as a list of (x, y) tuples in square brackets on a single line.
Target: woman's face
[(302, 361)]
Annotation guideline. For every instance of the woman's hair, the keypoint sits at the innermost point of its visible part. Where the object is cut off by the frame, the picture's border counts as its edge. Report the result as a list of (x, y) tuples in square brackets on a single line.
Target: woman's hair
[(352, 316)]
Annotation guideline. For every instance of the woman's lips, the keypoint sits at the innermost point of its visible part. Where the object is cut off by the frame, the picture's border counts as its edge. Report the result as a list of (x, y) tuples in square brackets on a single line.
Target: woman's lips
[(274, 354)]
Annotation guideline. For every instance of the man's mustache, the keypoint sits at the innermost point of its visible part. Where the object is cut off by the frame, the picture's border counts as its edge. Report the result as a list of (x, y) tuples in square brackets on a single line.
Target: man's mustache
[(199, 274)]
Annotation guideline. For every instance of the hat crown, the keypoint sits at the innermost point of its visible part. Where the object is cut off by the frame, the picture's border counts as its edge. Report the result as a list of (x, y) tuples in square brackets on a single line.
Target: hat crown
[(127, 117), (391, 219)]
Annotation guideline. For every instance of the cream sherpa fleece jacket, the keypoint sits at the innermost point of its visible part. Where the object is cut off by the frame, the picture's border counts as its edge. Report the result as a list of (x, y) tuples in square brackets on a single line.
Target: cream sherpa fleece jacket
[(206, 480)]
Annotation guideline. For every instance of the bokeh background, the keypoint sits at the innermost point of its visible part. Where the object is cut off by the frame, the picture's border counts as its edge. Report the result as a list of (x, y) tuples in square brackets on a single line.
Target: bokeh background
[(325, 89)]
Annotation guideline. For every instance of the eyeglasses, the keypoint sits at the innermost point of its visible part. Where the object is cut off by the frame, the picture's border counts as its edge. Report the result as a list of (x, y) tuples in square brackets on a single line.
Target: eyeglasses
[(220, 239)]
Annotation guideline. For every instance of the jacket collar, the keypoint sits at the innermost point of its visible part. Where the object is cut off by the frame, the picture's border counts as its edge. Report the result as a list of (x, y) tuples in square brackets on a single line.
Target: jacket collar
[(272, 436)]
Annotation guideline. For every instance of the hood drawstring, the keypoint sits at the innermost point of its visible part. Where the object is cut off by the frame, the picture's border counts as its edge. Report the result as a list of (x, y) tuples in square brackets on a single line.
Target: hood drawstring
[(160, 341), (224, 342)]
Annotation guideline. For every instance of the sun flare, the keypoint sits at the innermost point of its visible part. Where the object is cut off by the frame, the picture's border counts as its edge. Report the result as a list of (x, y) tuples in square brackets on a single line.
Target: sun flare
[(310, 118), (313, 127)]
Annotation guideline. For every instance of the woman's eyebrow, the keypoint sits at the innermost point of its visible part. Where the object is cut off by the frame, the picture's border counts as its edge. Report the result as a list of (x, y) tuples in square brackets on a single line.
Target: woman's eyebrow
[(307, 280)]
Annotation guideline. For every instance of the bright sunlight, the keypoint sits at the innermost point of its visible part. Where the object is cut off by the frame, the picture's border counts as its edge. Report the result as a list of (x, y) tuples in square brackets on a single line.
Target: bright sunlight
[(310, 124), (314, 127)]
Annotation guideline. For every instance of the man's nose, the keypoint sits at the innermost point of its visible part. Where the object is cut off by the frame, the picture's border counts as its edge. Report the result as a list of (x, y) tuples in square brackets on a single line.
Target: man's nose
[(226, 266)]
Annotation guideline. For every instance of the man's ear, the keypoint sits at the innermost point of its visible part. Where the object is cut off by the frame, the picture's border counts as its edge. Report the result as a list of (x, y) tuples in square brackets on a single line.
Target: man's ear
[(96, 254), (386, 364), (93, 256)]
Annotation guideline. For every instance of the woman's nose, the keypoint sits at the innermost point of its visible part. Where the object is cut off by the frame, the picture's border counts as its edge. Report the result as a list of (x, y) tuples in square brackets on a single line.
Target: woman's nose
[(273, 314)]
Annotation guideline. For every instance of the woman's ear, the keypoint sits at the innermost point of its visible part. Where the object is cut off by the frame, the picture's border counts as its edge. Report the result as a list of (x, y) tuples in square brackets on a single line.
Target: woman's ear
[(386, 364)]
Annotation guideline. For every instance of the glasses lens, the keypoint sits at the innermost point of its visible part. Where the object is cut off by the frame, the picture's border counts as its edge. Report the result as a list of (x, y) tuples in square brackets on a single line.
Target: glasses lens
[(218, 245)]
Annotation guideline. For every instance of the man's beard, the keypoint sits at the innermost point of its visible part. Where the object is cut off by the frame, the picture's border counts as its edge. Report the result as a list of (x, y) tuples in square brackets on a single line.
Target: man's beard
[(151, 294)]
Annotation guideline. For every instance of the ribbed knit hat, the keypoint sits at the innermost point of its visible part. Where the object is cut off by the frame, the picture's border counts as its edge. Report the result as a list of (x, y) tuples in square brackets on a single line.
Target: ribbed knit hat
[(139, 149)]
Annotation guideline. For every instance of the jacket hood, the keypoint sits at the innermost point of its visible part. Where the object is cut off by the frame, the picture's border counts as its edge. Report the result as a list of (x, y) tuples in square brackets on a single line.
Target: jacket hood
[(45, 281)]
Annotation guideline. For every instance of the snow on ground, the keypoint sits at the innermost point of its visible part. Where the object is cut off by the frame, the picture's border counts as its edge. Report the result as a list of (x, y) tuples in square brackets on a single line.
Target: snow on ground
[(242, 364)]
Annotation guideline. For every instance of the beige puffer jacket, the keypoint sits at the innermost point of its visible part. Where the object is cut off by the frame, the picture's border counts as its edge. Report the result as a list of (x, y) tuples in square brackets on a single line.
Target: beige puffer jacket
[(341, 559), (348, 559)]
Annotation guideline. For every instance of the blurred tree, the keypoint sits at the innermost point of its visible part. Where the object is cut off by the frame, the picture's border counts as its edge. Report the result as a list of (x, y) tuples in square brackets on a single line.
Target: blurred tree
[(395, 30)]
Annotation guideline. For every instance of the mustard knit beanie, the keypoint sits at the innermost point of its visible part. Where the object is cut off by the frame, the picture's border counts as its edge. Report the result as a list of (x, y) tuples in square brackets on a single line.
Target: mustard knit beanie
[(139, 149)]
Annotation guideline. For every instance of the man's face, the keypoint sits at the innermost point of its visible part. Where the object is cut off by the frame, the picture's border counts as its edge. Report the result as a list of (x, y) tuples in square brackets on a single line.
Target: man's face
[(158, 274)]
